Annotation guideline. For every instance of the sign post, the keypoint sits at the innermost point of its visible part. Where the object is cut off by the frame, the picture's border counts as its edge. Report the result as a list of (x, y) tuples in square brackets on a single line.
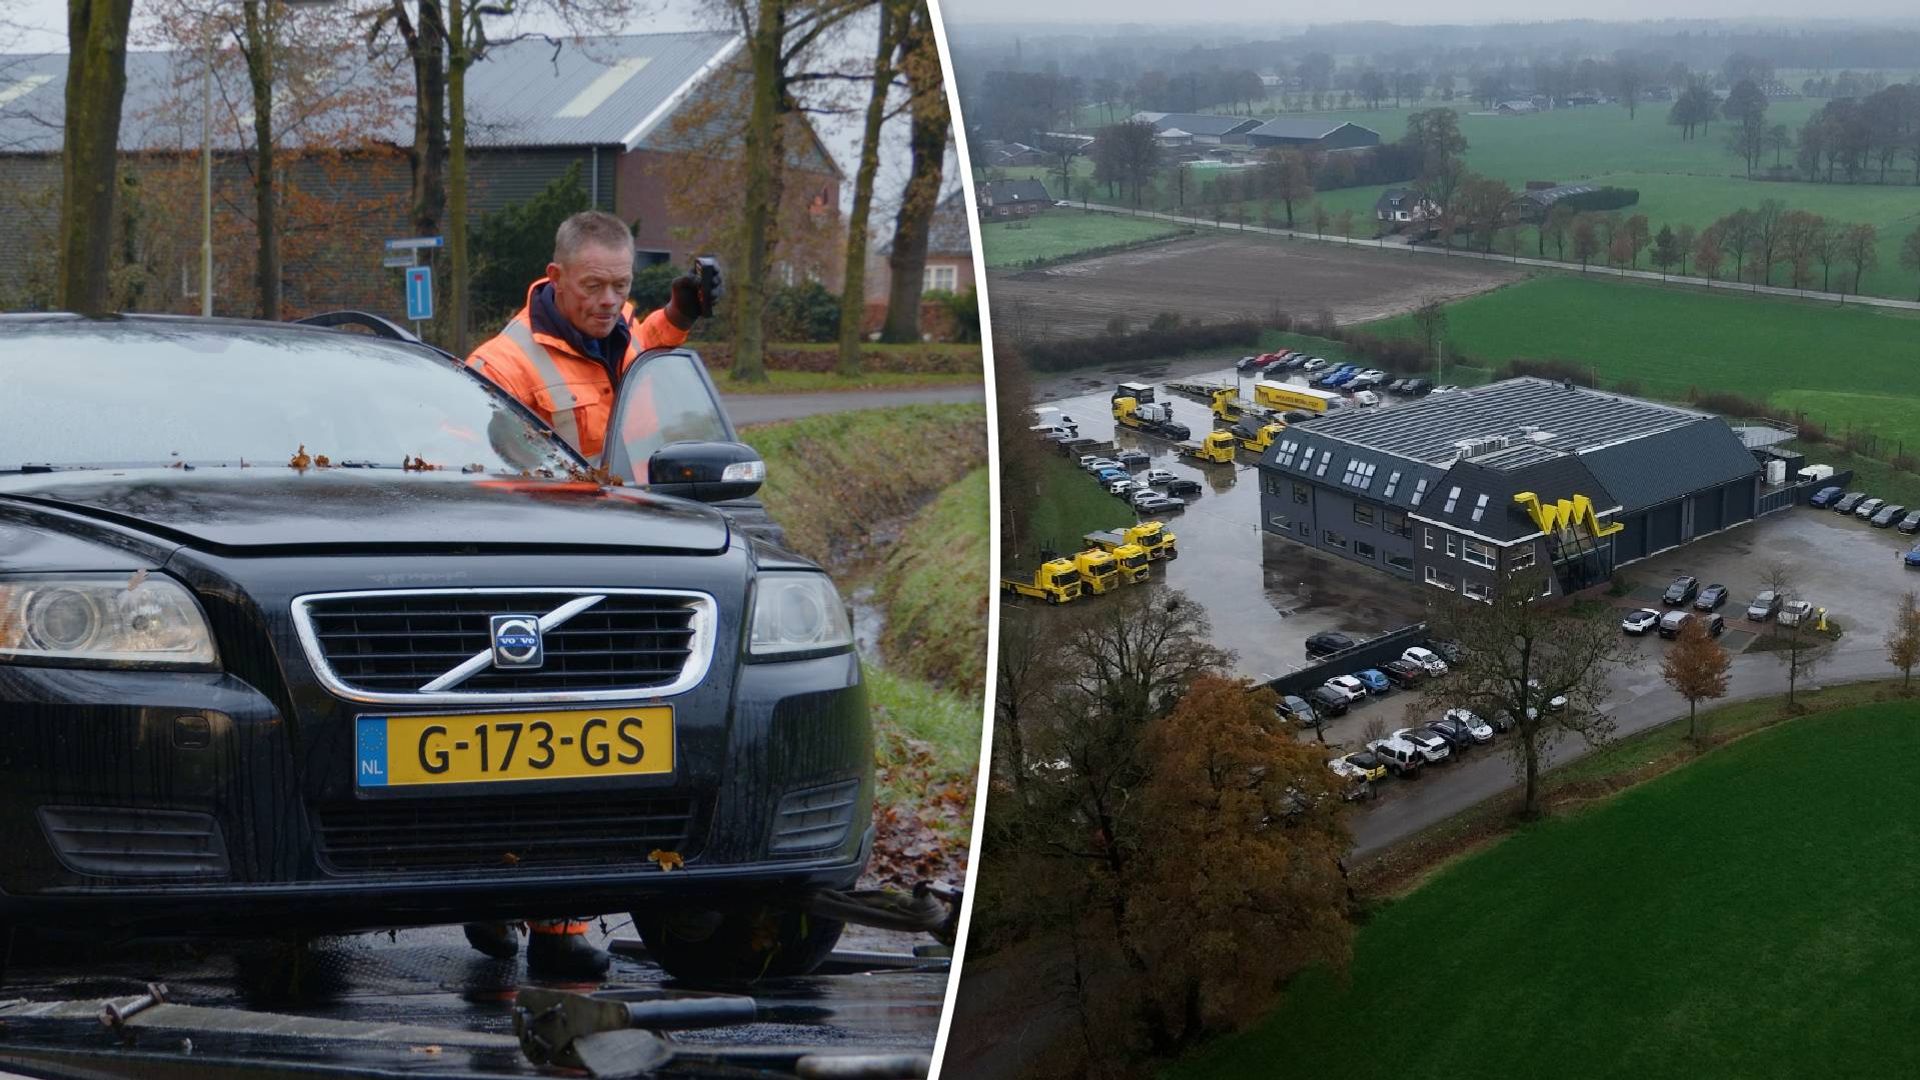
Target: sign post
[(404, 254), (419, 294)]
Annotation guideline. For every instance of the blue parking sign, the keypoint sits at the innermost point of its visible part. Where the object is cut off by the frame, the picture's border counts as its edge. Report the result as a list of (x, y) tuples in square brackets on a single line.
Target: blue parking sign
[(419, 292)]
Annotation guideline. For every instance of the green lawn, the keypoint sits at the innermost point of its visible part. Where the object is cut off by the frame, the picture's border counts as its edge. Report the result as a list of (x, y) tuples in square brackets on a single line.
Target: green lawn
[(1070, 506), (1843, 365), (807, 382), (1749, 915), (1059, 233)]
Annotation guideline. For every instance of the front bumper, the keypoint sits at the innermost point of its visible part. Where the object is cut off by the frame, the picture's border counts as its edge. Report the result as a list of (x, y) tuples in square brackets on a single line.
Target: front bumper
[(193, 801)]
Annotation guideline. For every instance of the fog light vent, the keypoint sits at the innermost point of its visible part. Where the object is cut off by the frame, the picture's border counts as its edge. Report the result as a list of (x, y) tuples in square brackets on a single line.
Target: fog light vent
[(815, 818), (117, 841)]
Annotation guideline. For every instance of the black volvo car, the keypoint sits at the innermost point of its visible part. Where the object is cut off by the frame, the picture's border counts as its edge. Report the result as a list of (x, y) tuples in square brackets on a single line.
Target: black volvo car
[(309, 630)]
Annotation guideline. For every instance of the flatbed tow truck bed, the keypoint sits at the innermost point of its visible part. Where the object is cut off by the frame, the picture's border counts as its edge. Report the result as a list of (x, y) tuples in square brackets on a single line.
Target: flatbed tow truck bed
[(423, 1005)]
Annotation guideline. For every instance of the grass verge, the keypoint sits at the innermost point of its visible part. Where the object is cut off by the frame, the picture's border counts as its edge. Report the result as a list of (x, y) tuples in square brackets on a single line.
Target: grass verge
[(1062, 234), (809, 382), (926, 756), (936, 591), (1738, 917), (829, 476)]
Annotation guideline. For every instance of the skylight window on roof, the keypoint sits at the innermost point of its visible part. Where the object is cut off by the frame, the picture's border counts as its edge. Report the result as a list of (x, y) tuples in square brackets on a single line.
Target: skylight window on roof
[(1326, 459), (1359, 474), (600, 89), (1419, 491), (1288, 448), (1480, 507), (1393, 481), (1452, 498)]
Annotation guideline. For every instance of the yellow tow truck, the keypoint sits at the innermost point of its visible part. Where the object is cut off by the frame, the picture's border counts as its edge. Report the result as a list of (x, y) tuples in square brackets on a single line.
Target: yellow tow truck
[(1056, 581), (1258, 440), (1215, 448), (1152, 537), (1227, 404), (1099, 572), (1133, 563)]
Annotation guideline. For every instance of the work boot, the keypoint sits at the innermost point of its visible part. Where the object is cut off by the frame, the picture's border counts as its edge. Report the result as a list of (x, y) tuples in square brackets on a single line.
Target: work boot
[(500, 940), (560, 950)]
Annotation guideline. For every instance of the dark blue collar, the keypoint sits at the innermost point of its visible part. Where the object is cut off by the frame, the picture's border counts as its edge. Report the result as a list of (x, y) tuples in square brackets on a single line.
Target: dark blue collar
[(545, 318)]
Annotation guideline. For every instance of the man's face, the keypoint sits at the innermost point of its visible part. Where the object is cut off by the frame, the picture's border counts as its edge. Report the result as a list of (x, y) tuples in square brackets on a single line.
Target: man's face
[(590, 287)]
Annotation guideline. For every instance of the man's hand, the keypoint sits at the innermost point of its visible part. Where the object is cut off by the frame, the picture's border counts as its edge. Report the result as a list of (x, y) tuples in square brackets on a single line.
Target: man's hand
[(684, 306)]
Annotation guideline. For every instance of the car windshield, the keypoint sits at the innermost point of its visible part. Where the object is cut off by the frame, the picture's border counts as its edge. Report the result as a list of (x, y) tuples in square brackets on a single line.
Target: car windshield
[(1763, 599), (139, 393)]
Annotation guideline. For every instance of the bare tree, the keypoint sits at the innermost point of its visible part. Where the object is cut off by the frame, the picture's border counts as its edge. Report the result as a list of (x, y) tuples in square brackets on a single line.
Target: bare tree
[(892, 21), (928, 140), (1535, 660), (96, 86), (1431, 318), (1903, 641), (1696, 667)]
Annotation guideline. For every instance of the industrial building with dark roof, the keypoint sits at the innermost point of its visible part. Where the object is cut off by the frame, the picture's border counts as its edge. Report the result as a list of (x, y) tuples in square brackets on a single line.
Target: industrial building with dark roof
[(1301, 134), (1457, 488)]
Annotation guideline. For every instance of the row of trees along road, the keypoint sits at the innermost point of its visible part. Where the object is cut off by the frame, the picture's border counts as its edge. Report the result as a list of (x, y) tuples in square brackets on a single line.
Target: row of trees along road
[(300, 91)]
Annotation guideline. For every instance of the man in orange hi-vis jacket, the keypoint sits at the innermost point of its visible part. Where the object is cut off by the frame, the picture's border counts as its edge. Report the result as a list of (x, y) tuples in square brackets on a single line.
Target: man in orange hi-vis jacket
[(563, 356)]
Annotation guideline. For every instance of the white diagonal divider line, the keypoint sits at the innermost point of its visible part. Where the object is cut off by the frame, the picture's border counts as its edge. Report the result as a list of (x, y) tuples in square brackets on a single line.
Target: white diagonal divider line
[(479, 661)]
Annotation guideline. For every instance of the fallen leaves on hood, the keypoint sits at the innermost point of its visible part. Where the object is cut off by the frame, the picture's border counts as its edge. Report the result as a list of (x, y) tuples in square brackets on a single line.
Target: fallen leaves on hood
[(667, 860)]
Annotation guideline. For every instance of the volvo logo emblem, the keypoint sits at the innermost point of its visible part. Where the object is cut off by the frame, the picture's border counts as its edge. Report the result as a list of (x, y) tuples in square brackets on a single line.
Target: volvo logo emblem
[(516, 642)]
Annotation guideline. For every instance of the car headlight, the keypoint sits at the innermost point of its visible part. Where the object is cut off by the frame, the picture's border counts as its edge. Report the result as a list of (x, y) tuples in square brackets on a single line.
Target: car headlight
[(795, 613), (108, 620)]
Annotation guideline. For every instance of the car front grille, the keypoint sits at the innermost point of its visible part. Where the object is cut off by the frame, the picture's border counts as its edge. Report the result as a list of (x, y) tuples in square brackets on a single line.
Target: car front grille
[(388, 646), (501, 834)]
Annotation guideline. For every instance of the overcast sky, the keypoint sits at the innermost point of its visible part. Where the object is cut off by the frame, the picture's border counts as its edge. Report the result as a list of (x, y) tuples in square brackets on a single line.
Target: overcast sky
[(1089, 15)]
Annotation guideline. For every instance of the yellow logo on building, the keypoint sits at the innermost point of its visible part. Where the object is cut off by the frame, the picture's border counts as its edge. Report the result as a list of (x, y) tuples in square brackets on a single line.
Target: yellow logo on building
[(1564, 514)]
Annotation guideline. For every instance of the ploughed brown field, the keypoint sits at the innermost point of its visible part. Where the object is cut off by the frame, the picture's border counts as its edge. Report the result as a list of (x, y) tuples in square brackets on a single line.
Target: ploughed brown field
[(1217, 278)]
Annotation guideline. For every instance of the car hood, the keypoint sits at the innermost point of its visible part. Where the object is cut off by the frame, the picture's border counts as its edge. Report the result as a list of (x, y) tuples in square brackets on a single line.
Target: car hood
[(315, 510)]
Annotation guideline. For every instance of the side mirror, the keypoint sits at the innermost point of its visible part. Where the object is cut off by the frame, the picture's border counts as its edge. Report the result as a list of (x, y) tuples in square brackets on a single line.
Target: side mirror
[(706, 471)]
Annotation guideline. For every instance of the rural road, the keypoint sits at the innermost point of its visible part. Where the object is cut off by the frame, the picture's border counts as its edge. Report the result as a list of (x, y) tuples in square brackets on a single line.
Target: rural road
[(1641, 700), (749, 409)]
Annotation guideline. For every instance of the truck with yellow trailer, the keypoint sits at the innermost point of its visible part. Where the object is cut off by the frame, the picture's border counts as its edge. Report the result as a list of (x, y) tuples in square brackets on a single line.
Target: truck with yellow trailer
[(1057, 581), (1099, 571), (1152, 418), (1278, 395), (1256, 439), (1152, 537), (1214, 448)]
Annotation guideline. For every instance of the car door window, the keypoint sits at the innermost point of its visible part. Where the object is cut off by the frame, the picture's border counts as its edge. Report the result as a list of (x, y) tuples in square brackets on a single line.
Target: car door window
[(664, 397)]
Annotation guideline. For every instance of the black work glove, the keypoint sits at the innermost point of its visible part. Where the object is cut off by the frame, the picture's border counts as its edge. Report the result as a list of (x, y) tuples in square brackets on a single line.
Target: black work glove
[(684, 306)]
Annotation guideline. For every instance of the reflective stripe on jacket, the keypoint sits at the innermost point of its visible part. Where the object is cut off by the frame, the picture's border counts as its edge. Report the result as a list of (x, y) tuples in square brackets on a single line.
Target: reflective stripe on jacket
[(569, 391)]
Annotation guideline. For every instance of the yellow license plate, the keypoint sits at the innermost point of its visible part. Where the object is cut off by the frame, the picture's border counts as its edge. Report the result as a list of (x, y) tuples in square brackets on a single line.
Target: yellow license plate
[(392, 751)]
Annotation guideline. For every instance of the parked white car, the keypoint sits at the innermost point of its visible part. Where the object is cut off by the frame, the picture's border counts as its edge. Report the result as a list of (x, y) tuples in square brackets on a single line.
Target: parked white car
[(1398, 755), (1099, 463), (1142, 495), (1366, 398), (1314, 364), (1639, 622), (1427, 659), (1159, 476), (1125, 488), (1353, 688), (1794, 612), (1431, 746), (1480, 730)]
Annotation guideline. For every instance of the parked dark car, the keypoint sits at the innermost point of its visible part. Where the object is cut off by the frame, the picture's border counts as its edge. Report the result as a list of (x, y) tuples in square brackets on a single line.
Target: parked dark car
[(1296, 709), (1910, 523), (1456, 733), (1449, 651), (1419, 387), (317, 631), (1765, 606), (1711, 598), (1826, 497), (1183, 487), (1887, 515), (1329, 701), (1681, 592), (1328, 643), (1404, 674), (1845, 503)]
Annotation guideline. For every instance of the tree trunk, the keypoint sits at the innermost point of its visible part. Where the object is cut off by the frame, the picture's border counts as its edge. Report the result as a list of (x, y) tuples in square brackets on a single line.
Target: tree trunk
[(427, 46), (1530, 806), (762, 189), (260, 46), (929, 142), (96, 86), (853, 292), (1693, 721), (459, 59)]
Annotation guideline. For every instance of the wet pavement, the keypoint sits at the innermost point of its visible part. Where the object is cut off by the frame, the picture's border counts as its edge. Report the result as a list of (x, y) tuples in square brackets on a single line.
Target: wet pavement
[(1264, 595), (420, 1004)]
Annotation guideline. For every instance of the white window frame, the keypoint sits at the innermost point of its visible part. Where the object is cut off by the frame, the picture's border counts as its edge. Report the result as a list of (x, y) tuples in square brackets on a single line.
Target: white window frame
[(1400, 562), (1522, 558), (1333, 540), (1473, 590), (1453, 546), (1428, 529), (1481, 554), (1438, 582), (937, 278)]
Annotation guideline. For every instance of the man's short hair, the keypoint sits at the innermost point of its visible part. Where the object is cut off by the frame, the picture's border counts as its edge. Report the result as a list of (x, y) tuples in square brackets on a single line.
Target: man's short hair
[(590, 228)]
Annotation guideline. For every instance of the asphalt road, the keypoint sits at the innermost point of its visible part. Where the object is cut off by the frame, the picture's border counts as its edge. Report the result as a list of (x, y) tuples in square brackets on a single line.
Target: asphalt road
[(748, 409)]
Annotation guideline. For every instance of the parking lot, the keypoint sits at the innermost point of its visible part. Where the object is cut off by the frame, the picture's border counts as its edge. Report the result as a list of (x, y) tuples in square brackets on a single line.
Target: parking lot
[(1835, 561), (1264, 595)]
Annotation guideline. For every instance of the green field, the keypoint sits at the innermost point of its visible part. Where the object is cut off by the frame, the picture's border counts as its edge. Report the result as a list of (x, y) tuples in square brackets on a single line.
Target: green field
[(1070, 506), (1845, 366), (1681, 181), (1750, 915), (1057, 234)]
